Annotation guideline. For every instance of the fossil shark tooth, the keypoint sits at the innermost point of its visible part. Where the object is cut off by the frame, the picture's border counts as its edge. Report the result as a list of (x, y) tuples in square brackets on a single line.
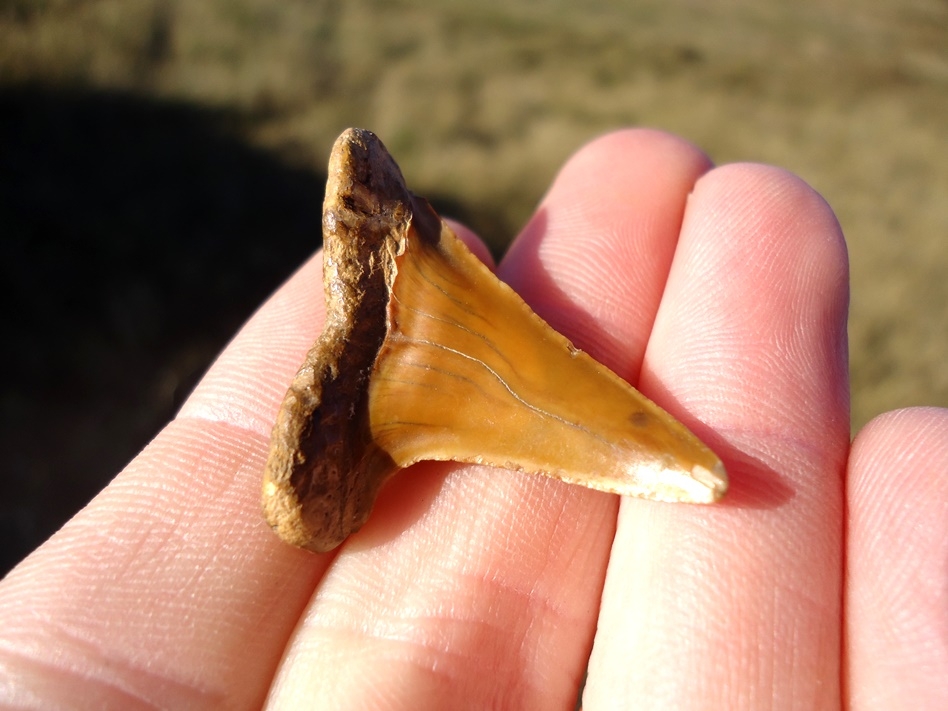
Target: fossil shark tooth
[(426, 355)]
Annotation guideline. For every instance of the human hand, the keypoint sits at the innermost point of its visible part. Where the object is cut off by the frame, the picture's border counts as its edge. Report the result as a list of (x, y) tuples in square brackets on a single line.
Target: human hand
[(472, 587)]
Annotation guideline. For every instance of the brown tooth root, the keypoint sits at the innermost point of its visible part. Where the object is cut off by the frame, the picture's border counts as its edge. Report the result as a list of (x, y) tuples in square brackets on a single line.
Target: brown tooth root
[(427, 355)]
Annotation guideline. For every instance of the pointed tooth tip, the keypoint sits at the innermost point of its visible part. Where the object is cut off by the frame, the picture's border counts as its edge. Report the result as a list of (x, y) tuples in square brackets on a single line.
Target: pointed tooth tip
[(714, 479)]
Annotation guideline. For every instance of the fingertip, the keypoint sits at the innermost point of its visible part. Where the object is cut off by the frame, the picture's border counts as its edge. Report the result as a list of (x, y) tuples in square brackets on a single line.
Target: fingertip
[(750, 198), (593, 259), (900, 449), (756, 305), (628, 146), (472, 241), (622, 169), (897, 547)]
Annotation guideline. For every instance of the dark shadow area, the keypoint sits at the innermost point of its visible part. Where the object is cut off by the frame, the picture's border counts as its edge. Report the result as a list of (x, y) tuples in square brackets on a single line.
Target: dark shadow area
[(135, 238)]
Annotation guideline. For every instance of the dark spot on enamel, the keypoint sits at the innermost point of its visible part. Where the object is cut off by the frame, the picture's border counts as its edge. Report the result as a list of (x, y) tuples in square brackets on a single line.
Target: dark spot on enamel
[(639, 419)]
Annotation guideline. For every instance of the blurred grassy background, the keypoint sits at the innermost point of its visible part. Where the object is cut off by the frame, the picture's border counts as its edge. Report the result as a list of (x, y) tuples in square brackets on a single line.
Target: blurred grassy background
[(162, 161)]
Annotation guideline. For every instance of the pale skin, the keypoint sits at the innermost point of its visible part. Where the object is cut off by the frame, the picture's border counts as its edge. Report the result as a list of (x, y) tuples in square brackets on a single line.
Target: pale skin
[(819, 583)]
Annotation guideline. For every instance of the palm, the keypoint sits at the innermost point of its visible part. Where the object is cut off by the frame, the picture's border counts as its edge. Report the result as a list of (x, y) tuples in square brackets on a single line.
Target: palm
[(473, 587)]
